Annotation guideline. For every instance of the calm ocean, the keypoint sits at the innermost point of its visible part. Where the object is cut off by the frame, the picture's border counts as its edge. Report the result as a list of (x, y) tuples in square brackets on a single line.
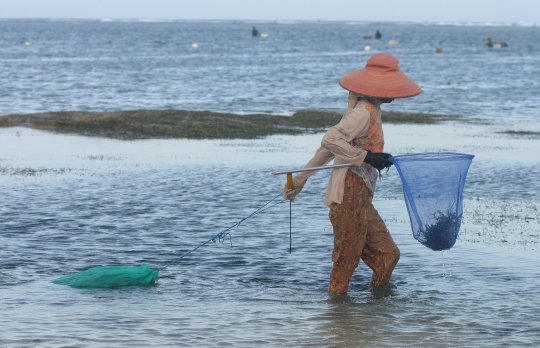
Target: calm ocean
[(104, 65)]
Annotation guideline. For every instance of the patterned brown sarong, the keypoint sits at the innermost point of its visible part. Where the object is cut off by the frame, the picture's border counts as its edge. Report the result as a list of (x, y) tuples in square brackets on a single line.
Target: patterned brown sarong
[(359, 233)]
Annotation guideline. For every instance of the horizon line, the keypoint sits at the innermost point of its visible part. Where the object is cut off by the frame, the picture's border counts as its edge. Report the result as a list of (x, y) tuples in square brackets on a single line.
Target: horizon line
[(276, 21)]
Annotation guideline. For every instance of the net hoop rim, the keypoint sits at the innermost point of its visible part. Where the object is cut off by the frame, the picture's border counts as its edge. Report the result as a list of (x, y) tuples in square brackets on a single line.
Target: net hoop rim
[(430, 156)]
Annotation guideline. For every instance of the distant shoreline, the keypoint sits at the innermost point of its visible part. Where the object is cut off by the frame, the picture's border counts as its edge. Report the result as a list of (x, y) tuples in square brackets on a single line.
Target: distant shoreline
[(184, 124)]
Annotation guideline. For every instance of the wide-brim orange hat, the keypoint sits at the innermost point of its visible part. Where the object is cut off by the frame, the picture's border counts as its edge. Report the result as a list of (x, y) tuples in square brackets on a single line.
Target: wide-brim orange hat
[(382, 78)]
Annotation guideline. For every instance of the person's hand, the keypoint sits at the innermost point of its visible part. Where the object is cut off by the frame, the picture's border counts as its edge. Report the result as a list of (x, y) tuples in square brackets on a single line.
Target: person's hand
[(379, 160), (291, 194)]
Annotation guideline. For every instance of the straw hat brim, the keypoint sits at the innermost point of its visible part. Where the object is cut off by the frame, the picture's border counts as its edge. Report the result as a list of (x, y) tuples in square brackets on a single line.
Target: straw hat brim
[(394, 85)]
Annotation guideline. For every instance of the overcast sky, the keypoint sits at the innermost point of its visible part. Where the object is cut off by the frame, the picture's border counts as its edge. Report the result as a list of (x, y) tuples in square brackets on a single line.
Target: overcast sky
[(523, 11)]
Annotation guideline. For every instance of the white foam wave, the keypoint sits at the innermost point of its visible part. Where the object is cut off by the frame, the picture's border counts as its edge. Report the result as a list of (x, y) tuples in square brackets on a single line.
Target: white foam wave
[(136, 20), (480, 24), (289, 22), (357, 23)]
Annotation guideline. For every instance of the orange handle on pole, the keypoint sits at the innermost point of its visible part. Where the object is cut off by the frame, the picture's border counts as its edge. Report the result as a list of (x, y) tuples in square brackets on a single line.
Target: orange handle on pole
[(290, 187), (289, 181)]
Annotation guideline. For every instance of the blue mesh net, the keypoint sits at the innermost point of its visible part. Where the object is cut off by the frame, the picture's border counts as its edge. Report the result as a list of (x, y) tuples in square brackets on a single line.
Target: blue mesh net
[(433, 188)]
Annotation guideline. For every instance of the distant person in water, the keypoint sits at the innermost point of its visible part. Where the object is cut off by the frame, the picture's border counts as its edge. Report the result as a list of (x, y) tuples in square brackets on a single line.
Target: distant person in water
[(378, 35), (254, 32), (503, 43), (489, 43)]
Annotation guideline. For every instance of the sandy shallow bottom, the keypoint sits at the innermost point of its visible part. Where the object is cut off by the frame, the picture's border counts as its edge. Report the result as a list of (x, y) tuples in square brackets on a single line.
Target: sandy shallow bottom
[(71, 202)]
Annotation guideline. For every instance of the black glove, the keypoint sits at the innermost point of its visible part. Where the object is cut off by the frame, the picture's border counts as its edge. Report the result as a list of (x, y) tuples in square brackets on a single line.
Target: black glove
[(378, 160)]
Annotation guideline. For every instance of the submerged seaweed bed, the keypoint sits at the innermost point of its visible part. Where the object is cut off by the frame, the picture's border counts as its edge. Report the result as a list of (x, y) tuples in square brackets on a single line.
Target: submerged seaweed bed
[(511, 223), (146, 124)]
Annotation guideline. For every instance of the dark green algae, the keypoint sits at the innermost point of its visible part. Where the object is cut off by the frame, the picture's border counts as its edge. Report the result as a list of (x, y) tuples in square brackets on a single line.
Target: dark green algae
[(149, 124)]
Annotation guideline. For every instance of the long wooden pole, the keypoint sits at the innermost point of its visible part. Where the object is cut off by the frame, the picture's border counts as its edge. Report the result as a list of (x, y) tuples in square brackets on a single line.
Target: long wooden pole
[(310, 169)]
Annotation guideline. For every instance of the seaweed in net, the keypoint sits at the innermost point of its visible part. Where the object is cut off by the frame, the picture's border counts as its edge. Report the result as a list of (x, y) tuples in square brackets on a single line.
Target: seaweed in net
[(441, 234)]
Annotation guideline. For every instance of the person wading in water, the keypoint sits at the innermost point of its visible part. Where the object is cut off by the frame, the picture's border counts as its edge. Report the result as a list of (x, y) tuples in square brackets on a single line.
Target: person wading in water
[(359, 231)]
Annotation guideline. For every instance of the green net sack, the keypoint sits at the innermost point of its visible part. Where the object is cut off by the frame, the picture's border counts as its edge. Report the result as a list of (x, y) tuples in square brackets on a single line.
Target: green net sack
[(110, 277)]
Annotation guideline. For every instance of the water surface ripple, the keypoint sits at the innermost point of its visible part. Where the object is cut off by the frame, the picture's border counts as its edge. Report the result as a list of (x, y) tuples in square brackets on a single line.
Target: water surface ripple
[(123, 66), (251, 293)]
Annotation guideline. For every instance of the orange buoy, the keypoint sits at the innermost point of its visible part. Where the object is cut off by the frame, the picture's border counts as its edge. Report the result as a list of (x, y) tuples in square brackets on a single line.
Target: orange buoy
[(438, 50), (367, 37)]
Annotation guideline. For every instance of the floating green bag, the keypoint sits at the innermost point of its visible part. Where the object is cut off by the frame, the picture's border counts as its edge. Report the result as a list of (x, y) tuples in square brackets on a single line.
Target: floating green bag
[(110, 277)]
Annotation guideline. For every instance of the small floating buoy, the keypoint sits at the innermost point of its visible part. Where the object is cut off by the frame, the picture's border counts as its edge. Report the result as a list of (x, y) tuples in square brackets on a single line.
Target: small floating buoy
[(367, 48), (393, 42), (194, 45), (264, 35), (438, 50), (367, 37), (27, 43)]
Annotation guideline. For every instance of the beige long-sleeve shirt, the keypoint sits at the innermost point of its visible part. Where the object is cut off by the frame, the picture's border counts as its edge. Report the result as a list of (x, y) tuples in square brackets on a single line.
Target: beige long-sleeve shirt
[(336, 145)]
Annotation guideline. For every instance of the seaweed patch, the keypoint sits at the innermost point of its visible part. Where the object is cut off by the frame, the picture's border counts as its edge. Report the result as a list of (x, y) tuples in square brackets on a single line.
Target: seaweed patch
[(441, 234)]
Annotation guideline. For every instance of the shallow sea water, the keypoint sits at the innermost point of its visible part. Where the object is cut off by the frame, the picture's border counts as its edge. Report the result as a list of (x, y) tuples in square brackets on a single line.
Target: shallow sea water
[(121, 202)]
